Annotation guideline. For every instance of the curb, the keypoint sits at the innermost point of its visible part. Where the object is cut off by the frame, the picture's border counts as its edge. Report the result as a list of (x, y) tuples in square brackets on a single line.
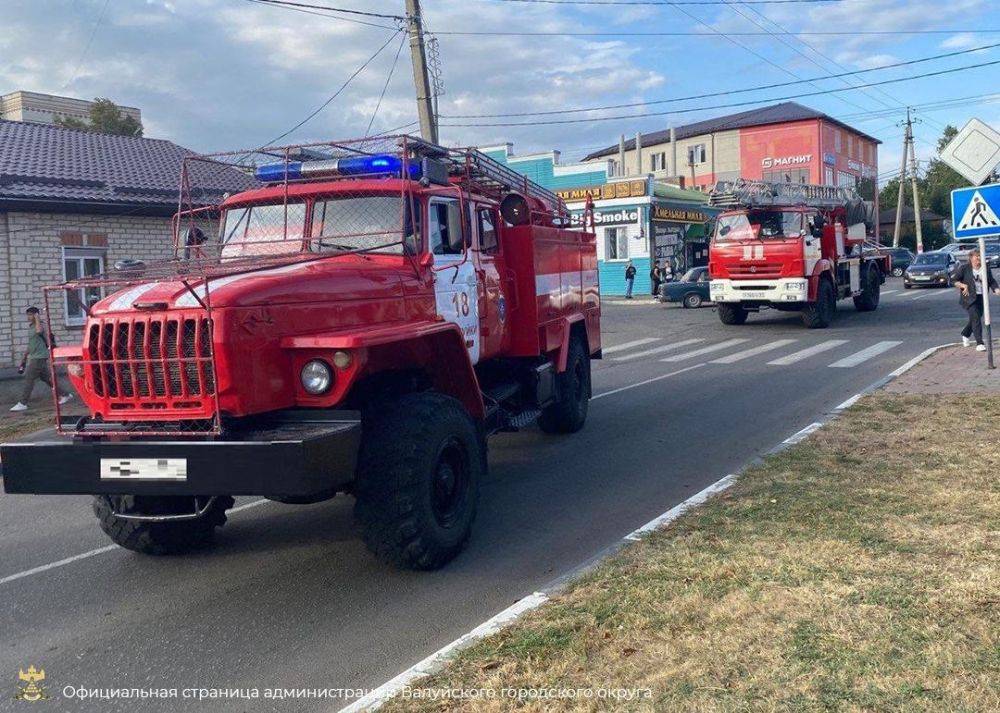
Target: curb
[(434, 663)]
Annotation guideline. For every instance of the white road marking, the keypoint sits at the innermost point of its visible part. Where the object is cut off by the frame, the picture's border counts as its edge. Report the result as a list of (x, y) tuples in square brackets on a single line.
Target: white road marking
[(681, 508), (850, 402), (930, 293), (864, 355), (630, 345), (643, 383), (706, 350), (807, 352), (658, 350), (376, 698), (99, 551), (753, 351), (888, 292), (800, 436)]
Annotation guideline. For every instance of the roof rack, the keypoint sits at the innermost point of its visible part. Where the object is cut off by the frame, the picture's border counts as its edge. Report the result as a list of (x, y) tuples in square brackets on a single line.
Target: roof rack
[(750, 193)]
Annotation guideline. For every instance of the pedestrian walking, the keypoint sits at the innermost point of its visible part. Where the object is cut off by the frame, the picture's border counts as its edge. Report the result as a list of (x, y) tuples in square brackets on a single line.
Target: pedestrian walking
[(629, 279), (656, 277), (35, 363), (969, 282)]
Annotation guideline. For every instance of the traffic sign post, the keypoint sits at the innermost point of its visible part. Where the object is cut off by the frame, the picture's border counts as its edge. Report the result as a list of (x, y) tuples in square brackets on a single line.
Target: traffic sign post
[(974, 213)]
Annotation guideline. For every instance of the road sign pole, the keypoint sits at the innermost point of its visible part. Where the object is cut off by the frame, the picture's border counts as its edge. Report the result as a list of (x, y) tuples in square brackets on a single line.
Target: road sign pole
[(984, 271)]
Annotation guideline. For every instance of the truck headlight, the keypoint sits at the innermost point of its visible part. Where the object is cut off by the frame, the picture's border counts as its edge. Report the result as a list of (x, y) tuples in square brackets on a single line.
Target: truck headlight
[(316, 377)]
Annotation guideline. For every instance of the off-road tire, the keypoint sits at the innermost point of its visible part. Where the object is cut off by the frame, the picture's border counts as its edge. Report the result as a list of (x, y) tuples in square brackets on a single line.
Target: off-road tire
[(692, 300), (159, 538), (868, 300), (897, 272), (819, 314), (569, 411), (732, 314), (409, 447)]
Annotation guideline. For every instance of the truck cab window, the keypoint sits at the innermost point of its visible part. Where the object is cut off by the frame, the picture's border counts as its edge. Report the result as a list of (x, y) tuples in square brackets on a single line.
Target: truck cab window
[(445, 227), (364, 223), (263, 230), (488, 240)]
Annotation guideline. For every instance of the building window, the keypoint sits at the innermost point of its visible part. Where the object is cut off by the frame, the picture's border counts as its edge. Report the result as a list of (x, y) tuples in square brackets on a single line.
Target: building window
[(828, 179), (615, 244), (838, 145), (658, 161), (792, 175), (850, 146), (846, 180), (80, 263), (614, 168), (696, 154)]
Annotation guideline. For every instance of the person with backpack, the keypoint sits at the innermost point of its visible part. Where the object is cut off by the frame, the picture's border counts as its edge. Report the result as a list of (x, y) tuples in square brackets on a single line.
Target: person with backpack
[(35, 363)]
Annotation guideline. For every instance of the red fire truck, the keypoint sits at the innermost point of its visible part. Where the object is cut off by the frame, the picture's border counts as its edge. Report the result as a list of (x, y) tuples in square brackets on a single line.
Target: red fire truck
[(359, 320), (794, 248)]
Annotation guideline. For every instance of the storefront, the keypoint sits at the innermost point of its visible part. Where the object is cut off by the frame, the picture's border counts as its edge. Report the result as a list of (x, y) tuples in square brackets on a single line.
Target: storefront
[(644, 221)]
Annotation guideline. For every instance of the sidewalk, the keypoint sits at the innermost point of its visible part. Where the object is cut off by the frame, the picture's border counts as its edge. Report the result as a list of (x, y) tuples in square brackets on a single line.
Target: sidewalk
[(856, 570), (953, 370)]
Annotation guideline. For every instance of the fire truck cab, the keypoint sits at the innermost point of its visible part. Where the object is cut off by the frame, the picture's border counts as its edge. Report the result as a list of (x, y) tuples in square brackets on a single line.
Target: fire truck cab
[(365, 316), (792, 247)]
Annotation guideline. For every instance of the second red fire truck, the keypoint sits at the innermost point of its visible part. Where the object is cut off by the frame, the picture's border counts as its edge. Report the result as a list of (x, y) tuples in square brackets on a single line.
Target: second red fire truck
[(794, 248)]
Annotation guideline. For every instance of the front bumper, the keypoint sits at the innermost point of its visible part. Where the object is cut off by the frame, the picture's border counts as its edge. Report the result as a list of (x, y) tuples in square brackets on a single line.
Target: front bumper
[(296, 455), (930, 280), (785, 289)]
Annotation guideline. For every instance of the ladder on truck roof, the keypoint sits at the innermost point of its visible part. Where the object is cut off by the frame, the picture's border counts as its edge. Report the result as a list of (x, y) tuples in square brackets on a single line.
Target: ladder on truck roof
[(751, 194), (489, 175)]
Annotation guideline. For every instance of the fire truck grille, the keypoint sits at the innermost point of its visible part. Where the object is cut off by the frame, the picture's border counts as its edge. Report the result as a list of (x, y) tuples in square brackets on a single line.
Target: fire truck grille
[(150, 358), (763, 271)]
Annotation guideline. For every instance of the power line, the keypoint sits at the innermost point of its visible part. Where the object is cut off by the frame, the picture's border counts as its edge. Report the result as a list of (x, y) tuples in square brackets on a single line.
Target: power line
[(362, 13), (661, 2), (388, 79), (90, 41), (735, 104), (305, 11), (682, 33), (337, 93), (778, 85)]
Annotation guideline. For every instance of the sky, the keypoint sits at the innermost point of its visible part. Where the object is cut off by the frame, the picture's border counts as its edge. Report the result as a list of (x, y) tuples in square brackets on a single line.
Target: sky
[(217, 75)]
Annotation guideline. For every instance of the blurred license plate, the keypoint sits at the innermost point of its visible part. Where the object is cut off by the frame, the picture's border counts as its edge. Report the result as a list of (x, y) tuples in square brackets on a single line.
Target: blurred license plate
[(921, 277), (755, 295), (144, 469)]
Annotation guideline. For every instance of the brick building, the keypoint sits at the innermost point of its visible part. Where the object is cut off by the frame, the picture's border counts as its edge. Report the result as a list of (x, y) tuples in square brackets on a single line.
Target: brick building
[(785, 142), (71, 204)]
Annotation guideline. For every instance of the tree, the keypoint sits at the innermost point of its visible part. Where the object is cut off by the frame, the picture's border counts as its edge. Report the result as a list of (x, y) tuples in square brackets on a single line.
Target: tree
[(106, 117)]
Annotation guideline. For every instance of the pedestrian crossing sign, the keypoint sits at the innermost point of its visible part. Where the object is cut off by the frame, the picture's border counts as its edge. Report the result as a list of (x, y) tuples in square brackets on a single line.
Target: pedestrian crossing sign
[(975, 211)]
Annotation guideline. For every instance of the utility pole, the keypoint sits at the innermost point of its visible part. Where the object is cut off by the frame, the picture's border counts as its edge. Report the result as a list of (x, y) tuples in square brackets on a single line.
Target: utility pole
[(421, 80), (913, 184), (902, 183)]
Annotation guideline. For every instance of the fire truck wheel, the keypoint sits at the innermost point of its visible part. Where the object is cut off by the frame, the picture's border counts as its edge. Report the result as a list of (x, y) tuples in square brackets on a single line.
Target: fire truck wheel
[(569, 412), (419, 470), (868, 300), (732, 314), (819, 314), (159, 538)]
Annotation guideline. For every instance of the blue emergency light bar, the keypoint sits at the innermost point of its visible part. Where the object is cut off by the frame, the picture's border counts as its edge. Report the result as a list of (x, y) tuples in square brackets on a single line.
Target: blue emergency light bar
[(353, 166)]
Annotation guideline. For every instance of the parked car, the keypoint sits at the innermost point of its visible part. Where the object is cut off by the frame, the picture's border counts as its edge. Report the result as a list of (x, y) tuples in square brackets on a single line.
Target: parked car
[(691, 290), (930, 269), (901, 259), (961, 251)]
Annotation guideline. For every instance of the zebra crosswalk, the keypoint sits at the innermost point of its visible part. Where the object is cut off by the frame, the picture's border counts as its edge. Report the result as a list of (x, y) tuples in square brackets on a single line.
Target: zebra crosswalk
[(842, 353)]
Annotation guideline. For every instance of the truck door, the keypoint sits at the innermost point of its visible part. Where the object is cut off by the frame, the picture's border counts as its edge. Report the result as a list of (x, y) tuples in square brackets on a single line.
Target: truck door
[(455, 281), (489, 266)]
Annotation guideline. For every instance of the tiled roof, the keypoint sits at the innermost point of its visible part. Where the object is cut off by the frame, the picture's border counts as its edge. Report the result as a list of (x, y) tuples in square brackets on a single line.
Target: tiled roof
[(40, 163), (774, 114)]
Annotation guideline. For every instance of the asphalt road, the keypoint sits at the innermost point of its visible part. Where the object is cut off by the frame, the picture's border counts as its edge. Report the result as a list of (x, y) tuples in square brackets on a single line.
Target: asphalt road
[(290, 598)]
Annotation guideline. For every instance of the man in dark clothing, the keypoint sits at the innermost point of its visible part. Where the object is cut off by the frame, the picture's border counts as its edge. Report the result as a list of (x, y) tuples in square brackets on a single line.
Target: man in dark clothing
[(629, 279), (656, 277), (35, 363), (969, 282)]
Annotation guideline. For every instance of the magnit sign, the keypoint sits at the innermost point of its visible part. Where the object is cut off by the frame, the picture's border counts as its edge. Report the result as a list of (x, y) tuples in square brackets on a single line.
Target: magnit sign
[(782, 161), (620, 216)]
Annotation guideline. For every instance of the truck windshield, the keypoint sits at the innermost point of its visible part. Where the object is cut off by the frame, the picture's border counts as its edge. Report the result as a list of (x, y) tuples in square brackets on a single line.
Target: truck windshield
[(758, 225), (374, 223), (263, 230)]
